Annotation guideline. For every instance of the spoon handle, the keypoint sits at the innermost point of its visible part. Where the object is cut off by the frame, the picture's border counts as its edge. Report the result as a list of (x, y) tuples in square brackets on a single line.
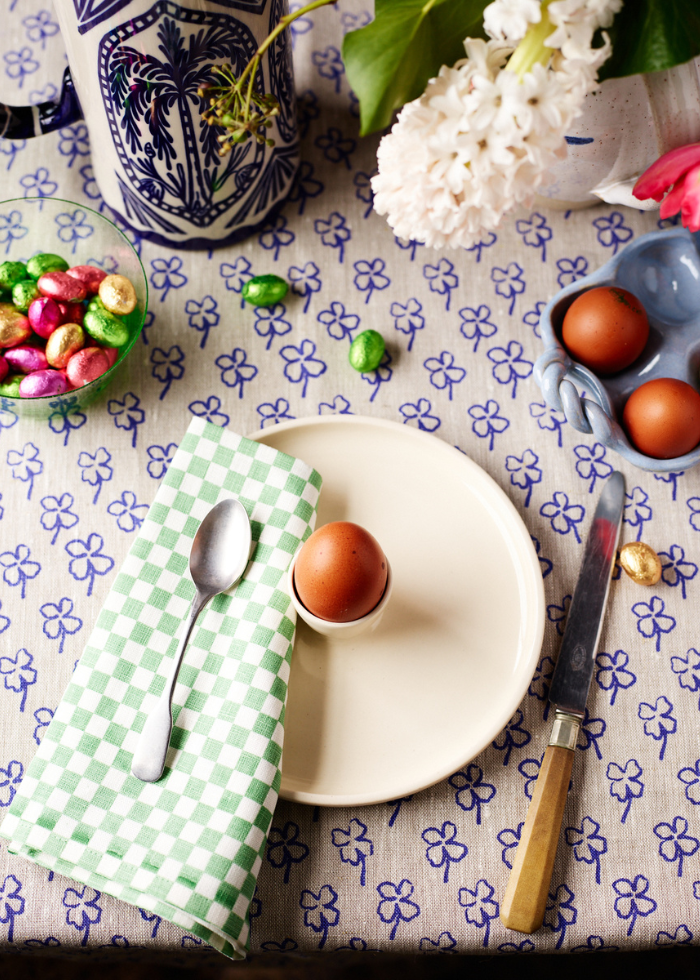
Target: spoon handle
[(149, 758)]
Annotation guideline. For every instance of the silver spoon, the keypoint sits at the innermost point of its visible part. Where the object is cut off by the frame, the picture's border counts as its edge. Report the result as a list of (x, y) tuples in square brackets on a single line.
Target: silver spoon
[(218, 558)]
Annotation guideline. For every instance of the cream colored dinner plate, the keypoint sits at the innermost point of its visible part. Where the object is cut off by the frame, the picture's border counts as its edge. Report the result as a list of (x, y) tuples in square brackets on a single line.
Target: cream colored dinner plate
[(391, 712)]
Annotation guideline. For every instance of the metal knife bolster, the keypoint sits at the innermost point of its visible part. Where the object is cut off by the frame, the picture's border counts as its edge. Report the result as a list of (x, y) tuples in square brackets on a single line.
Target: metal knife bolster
[(574, 670)]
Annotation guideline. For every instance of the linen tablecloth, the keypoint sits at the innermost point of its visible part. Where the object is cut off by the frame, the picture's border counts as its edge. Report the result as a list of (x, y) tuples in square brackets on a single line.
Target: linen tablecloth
[(425, 873)]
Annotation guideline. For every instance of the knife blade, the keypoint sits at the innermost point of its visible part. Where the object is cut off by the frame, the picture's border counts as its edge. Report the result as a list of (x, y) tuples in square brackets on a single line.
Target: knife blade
[(525, 899)]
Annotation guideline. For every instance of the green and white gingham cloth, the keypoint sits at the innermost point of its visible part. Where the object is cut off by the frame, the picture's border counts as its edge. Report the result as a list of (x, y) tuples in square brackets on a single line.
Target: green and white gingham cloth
[(190, 846)]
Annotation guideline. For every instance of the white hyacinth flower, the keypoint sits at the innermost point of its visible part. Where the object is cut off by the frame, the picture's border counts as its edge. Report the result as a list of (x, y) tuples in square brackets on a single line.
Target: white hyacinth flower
[(508, 20)]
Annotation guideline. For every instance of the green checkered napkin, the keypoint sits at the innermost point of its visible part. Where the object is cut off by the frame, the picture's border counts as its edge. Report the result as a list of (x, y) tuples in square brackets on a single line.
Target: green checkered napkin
[(188, 847)]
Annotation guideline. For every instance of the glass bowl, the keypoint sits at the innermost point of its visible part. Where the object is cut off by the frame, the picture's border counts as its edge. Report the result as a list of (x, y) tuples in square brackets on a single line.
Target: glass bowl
[(82, 237)]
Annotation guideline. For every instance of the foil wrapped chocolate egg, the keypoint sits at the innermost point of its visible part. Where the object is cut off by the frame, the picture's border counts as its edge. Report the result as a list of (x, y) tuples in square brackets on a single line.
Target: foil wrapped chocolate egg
[(640, 562), (117, 294), (61, 287), (104, 327), (44, 314), (86, 365), (65, 341), (39, 384), (24, 359), (90, 276), (15, 328)]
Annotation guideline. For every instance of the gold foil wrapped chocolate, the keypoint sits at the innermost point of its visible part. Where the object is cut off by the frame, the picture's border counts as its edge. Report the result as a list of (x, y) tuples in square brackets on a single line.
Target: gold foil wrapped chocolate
[(641, 562), (65, 341), (15, 328), (117, 294)]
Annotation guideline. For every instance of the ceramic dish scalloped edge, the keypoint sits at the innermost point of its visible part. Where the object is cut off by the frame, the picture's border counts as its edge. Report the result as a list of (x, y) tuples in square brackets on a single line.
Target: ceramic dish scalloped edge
[(556, 372)]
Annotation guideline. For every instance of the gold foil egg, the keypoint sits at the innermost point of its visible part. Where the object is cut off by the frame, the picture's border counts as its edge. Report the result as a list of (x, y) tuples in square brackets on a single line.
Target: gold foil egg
[(117, 294), (63, 343), (641, 563), (15, 328)]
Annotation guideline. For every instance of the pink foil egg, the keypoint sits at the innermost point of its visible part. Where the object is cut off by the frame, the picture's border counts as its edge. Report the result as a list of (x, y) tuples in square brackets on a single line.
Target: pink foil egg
[(24, 360), (89, 275), (61, 287), (112, 353), (44, 315), (88, 364), (41, 383), (4, 368), (72, 312)]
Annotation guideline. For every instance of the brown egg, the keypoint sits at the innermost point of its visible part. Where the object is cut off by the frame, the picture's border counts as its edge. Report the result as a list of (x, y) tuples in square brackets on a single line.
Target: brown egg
[(340, 573), (662, 418), (605, 329)]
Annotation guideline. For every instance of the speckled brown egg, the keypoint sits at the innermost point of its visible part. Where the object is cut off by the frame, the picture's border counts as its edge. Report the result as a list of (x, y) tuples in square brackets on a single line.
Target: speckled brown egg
[(605, 329), (662, 418), (341, 572)]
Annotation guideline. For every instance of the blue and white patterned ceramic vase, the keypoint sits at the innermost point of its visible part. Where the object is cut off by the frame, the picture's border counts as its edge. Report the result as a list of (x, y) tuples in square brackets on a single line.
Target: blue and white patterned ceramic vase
[(135, 67)]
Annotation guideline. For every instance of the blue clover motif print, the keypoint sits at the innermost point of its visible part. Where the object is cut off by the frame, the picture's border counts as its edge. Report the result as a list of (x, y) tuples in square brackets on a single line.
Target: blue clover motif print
[(285, 849), (42, 943), (4, 621), (557, 614), (539, 685), (690, 777), (336, 147), (612, 231), (418, 414), (305, 281), (38, 184), (25, 465), (369, 276), (235, 275), (58, 621), (563, 515), (57, 514), (681, 937), (167, 366), (472, 792), (17, 567), (209, 410), (11, 228), (696, 890), (273, 412), (441, 279), (672, 479), (535, 232), (693, 504), (275, 236), (18, 674), (588, 845), (612, 674), (509, 838), (20, 63), (560, 912), (11, 903), (591, 730), (408, 319), (127, 414), (74, 143), (676, 569), (513, 736), (339, 406), (73, 227), (160, 458), (533, 316), (570, 270), (526, 946), (329, 65), (652, 621), (443, 848), (166, 275), (396, 905), (8, 418), (687, 669), (96, 469), (320, 911), (235, 370), (445, 943), (129, 514), (637, 510), (354, 845), (381, 375), (287, 945), (397, 804), (43, 718), (40, 27), (10, 779), (595, 944), (66, 417), (658, 720), (509, 366), (90, 188), (339, 324), (529, 769), (202, 316), (270, 322), (334, 232), (476, 324), (308, 110), (88, 560), (480, 907), (301, 365), (305, 185), (363, 190), (444, 373), (10, 149), (676, 843), (83, 909), (509, 283), (625, 783), (407, 246), (548, 419), (524, 472), (591, 463), (487, 422)]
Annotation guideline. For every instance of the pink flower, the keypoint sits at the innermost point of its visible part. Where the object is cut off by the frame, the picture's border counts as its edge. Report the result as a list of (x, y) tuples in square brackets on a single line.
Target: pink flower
[(677, 172)]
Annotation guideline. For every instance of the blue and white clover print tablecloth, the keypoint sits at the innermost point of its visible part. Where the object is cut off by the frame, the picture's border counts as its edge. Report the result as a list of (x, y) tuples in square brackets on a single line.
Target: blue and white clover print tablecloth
[(425, 873)]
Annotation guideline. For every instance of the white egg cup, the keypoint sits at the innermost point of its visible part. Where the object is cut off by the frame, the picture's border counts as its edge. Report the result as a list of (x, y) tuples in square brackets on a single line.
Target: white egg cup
[(340, 631)]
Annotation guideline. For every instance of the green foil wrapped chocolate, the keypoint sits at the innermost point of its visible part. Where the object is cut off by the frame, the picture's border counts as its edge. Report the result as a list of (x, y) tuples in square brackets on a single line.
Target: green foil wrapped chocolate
[(45, 262), (12, 273), (24, 293), (265, 290), (9, 387), (95, 303), (366, 351), (106, 328)]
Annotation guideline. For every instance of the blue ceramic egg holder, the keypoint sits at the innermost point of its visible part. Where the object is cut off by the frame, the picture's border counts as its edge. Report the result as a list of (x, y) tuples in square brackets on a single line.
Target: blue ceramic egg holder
[(662, 269)]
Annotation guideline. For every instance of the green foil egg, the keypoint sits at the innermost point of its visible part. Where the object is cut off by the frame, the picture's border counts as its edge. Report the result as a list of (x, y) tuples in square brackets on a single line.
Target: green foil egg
[(367, 350), (106, 328), (24, 293), (11, 273), (9, 387), (45, 262), (265, 290), (95, 303)]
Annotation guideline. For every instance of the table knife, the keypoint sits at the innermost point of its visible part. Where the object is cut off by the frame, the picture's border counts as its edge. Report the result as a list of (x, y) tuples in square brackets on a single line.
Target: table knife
[(525, 899)]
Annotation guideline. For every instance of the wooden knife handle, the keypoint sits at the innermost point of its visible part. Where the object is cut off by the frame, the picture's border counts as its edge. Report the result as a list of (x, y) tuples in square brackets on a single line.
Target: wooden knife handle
[(525, 899)]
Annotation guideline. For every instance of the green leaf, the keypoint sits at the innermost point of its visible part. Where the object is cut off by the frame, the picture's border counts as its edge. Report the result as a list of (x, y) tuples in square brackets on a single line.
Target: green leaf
[(390, 61), (652, 35)]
